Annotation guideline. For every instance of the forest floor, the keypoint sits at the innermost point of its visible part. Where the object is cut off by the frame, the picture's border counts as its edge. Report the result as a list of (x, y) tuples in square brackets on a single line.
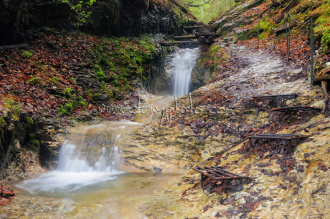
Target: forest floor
[(285, 180)]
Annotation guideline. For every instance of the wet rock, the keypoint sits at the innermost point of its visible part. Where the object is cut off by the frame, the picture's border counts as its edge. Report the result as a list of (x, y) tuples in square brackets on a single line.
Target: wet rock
[(157, 169), (296, 72), (322, 167)]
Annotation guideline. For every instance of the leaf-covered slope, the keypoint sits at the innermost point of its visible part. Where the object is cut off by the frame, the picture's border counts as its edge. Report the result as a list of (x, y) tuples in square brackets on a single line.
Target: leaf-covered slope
[(64, 73)]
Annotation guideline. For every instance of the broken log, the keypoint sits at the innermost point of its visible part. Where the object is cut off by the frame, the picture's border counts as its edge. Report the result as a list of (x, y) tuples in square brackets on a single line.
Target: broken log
[(321, 78), (179, 43), (205, 34), (188, 37), (192, 27)]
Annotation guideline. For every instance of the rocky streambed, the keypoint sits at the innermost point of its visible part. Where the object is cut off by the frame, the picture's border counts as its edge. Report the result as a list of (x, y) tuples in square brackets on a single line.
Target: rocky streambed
[(208, 127), (285, 183)]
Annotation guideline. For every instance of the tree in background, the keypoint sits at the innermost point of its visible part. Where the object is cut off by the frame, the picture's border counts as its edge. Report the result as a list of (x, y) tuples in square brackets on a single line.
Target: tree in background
[(206, 10)]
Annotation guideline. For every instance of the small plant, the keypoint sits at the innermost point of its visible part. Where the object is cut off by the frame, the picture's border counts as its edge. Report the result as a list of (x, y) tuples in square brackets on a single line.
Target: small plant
[(65, 110), (13, 106), (26, 54), (53, 81), (34, 81), (99, 72), (81, 102), (67, 93)]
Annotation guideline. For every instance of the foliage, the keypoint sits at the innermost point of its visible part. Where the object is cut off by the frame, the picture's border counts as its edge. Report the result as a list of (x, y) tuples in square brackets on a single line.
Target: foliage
[(13, 105), (26, 54), (81, 7), (211, 8), (58, 81), (2, 122), (67, 92), (121, 59), (99, 72)]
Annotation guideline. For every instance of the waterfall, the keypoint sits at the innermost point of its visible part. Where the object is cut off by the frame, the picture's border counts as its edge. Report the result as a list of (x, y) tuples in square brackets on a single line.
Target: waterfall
[(91, 157), (70, 160), (183, 62)]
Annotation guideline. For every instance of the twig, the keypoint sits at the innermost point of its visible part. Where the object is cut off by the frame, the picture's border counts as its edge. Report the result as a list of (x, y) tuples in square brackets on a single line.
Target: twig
[(326, 95)]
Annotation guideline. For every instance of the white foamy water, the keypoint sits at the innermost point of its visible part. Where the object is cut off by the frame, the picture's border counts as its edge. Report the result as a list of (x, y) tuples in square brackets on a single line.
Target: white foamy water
[(183, 63), (74, 172)]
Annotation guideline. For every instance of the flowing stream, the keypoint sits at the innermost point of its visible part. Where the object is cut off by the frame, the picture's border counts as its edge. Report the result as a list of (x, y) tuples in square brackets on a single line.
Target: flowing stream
[(90, 155), (183, 63), (89, 166)]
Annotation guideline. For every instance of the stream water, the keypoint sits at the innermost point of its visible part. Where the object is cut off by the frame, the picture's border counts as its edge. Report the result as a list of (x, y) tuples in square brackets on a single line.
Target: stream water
[(89, 166)]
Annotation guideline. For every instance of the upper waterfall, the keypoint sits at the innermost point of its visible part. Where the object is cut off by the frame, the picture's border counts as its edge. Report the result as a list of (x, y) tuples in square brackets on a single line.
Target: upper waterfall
[(183, 63)]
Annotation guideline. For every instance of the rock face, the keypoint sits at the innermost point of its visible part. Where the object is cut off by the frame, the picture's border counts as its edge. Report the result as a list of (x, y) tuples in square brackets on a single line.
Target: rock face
[(21, 144), (21, 19), (131, 18), (160, 82)]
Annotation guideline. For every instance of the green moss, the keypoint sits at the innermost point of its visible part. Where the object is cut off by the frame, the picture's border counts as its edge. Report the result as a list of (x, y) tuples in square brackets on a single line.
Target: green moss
[(265, 28), (2, 122), (322, 30), (35, 145), (29, 121)]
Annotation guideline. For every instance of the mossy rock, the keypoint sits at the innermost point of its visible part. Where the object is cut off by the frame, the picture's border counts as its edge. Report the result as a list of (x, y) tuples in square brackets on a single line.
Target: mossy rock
[(2, 122), (35, 145)]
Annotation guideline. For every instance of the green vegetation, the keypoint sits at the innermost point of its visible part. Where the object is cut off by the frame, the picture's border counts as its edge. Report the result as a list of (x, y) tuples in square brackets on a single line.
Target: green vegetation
[(35, 145), (69, 107), (2, 122), (322, 29), (13, 106), (209, 9), (29, 121), (320, 9), (53, 81), (26, 54), (99, 72), (34, 81), (67, 93), (213, 57), (118, 60), (66, 110), (81, 7)]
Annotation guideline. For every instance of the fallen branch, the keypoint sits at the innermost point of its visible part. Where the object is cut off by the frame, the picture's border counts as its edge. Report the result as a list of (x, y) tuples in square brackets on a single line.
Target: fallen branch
[(15, 46), (326, 96)]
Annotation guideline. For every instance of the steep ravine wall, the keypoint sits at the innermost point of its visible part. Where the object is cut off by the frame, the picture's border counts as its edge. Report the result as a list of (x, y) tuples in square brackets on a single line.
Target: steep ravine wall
[(20, 20)]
